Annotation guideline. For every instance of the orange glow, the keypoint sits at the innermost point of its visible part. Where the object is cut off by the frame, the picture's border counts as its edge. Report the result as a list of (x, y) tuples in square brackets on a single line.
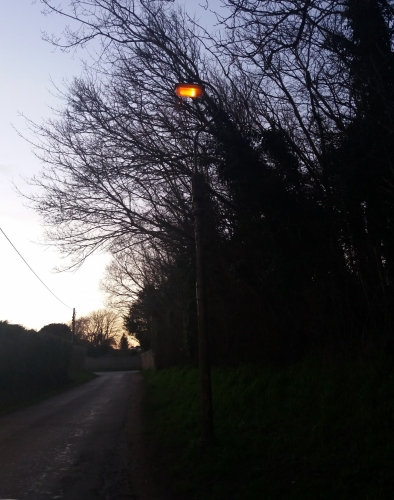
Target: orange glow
[(191, 90)]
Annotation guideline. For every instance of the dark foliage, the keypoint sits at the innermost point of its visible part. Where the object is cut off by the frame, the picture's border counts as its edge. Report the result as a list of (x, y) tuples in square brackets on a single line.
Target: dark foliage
[(123, 343), (58, 329), (31, 360)]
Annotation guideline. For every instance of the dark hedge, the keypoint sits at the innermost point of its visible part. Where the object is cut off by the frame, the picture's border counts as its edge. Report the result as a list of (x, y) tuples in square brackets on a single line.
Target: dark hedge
[(31, 360)]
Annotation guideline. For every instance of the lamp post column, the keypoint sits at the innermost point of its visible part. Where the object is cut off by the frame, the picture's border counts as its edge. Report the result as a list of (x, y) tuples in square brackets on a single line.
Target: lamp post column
[(207, 434), (193, 91)]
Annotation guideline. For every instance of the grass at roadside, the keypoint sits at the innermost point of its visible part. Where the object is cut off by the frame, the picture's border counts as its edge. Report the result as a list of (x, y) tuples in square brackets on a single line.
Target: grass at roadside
[(315, 430), (16, 400)]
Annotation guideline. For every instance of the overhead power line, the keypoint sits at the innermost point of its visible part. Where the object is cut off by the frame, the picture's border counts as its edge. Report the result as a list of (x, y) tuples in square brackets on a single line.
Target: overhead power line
[(32, 270)]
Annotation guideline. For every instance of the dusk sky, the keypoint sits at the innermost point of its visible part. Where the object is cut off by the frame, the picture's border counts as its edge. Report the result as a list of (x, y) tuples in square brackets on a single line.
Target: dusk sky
[(30, 69)]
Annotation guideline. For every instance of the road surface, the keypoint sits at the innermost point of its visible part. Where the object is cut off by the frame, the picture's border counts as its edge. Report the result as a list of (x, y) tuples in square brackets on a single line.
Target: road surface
[(71, 446)]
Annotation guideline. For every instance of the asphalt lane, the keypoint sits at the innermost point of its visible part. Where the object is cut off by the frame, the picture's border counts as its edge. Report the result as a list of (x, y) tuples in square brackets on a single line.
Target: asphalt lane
[(69, 447)]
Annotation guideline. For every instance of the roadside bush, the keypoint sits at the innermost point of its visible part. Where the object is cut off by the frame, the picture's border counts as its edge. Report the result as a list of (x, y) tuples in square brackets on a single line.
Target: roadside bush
[(9, 346), (58, 329), (31, 360)]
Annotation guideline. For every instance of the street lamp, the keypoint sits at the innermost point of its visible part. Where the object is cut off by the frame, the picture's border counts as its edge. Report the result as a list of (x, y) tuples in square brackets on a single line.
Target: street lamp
[(191, 90), (194, 91)]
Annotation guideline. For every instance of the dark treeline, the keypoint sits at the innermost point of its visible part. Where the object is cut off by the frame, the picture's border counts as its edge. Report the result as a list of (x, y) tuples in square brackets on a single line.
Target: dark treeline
[(298, 158)]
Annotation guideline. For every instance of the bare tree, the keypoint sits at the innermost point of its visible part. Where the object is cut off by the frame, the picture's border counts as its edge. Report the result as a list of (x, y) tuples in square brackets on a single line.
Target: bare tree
[(102, 327), (118, 158), (131, 271)]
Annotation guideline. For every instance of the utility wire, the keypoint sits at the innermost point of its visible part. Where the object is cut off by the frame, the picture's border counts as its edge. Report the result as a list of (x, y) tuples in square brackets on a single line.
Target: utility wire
[(35, 274)]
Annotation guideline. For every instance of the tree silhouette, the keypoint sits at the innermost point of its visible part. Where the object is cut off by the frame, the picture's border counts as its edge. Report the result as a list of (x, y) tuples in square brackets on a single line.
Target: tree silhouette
[(123, 343), (299, 211)]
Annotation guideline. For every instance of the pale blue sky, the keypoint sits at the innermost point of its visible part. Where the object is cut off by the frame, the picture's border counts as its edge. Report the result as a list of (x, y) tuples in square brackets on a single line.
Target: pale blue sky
[(28, 65)]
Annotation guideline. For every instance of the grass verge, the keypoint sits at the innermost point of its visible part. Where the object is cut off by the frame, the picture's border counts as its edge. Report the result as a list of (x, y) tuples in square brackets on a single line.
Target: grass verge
[(12, 401), (315, 430)]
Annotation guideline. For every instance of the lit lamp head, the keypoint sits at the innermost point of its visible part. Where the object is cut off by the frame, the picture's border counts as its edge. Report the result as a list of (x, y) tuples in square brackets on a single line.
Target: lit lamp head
[(192, 90)]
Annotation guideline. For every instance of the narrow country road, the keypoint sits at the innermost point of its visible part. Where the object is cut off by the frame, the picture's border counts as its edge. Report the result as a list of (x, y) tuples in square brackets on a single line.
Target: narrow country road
[(71, 446)]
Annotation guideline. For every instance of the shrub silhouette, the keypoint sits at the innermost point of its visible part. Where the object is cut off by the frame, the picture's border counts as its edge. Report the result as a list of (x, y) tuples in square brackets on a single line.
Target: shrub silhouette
[(31, 360)]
